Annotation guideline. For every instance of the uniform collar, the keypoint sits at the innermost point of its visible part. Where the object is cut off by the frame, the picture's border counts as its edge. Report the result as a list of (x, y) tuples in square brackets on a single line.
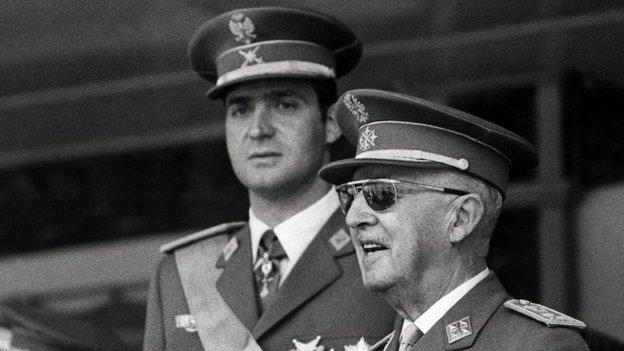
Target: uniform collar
[(443, 305), (296, 232)]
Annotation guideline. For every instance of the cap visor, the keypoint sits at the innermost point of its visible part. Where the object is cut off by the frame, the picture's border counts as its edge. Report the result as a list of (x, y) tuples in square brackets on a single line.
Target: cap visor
[(341, 171), (218, 92)]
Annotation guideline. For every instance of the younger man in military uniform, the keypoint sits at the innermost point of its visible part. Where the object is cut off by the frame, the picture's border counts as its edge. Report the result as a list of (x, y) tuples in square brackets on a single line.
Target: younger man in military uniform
[(288, 278), (422, 197)]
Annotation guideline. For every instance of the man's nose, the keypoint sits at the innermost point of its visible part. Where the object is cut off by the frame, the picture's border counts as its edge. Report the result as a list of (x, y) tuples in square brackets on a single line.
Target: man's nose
[(261, 125), (360, 214)]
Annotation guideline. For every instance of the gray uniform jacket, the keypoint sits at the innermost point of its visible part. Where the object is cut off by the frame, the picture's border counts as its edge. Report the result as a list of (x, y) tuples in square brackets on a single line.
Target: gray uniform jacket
[(493, 326), (323, 295)]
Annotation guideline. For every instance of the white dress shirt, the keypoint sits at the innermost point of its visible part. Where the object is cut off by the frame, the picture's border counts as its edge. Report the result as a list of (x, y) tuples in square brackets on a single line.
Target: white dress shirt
[(296, 232), (443, 305)]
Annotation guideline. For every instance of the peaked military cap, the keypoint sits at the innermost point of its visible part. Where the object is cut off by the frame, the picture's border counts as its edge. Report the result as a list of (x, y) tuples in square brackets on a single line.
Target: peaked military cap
[(272, 42), (396, 129)]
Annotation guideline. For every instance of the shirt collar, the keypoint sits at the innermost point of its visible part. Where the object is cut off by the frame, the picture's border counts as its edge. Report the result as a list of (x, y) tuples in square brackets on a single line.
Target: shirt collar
[(296, 232), (443, 305)]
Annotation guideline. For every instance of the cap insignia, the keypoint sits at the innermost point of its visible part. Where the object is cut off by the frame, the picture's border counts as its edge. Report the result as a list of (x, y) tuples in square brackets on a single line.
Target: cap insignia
[(543, 314), (458, 330), (242, 27), (356, 107), (251, 57), (186, 321), (367, 139)]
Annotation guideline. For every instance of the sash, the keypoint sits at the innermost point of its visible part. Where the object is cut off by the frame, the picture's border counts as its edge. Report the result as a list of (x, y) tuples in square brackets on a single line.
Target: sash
[(218, 327)]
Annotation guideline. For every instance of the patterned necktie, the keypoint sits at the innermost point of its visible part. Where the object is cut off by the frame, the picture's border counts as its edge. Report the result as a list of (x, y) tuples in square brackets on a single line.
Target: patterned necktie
[(267, 268), (409, 336)]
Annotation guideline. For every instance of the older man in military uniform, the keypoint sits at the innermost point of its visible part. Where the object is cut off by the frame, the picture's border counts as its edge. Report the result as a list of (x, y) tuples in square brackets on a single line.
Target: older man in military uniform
[(422, 197), (288, 278)]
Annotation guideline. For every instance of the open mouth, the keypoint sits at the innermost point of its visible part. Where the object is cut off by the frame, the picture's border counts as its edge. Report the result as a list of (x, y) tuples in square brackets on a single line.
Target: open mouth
[(373, 247)]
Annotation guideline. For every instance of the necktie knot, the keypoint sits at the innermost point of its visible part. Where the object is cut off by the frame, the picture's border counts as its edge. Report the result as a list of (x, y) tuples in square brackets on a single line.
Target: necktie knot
[(270, 243)]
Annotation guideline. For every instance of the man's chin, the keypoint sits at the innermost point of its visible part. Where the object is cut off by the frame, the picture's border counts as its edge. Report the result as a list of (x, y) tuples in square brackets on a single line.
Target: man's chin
[(376, 284)]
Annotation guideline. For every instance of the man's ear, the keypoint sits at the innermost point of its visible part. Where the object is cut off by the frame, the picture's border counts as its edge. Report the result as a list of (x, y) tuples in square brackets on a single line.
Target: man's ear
[(332, 131), (469, 211)]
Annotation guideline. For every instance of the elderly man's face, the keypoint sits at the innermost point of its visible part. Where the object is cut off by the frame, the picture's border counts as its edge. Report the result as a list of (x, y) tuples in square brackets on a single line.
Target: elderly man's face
[(403, 246)]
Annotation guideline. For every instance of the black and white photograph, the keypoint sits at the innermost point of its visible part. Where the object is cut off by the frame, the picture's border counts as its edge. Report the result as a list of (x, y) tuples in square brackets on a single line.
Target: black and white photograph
[(311, 175)]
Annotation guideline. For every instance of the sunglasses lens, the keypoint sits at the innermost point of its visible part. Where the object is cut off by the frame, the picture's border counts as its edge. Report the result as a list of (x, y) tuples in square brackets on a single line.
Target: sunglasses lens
[(346, 194), (379, 196)]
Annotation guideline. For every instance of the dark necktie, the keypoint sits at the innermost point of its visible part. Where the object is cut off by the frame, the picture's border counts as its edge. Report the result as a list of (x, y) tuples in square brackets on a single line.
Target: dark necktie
[(409, 337), (267, 268)]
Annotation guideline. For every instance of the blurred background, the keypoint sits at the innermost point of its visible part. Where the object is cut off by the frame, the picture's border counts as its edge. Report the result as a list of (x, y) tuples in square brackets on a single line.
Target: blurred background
[(109, 149)]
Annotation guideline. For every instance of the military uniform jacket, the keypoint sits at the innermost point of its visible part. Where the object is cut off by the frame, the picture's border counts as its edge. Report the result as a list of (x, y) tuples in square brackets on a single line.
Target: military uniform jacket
[(322, 296), (492, 326)]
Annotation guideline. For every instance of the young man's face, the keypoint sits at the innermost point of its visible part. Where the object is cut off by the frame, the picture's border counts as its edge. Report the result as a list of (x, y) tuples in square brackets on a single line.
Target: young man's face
[(275, 134), (404, 246)]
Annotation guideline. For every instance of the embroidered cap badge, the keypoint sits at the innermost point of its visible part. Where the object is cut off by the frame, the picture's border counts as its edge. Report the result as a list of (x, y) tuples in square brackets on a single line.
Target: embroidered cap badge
[(367, 139), (242, 27), (358, 110)]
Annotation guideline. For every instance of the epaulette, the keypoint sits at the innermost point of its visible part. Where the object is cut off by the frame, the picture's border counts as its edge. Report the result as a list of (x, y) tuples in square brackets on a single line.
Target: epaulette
[(543, 314), (206, 233)]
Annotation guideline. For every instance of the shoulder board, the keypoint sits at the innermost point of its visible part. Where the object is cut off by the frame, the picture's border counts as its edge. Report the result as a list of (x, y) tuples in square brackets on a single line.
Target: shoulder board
[(543, 314), (206, 233)]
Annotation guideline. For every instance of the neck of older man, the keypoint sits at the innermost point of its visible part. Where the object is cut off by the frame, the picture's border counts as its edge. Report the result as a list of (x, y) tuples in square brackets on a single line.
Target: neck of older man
[(275, 206), (411, 302)]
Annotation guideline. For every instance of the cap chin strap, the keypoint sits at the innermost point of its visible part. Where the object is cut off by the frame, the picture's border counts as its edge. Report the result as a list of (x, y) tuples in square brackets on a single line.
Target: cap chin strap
[(303, 68), (414, 156)]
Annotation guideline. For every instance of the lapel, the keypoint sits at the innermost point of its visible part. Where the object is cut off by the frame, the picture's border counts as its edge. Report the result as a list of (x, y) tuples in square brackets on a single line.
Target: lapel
[(314, 271), (236, 283), (479, 304)]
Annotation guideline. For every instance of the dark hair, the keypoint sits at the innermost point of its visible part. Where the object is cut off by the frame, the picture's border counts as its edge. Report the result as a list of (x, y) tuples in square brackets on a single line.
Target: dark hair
[(326, 92)]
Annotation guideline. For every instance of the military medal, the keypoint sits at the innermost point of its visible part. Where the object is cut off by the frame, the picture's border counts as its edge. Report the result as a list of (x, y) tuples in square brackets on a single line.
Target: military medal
[(266, 267), (361, 345), (309, 346)]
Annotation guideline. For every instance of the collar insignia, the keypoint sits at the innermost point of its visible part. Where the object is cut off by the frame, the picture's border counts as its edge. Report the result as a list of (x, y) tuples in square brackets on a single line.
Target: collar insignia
[(358, 110), (230, 248), (186, 321), (310, 346), (242, 27), (458, 330), (339, 240), (367, 139)]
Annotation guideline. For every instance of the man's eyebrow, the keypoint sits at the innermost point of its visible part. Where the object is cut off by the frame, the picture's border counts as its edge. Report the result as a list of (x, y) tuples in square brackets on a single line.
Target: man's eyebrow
[(236, 99)]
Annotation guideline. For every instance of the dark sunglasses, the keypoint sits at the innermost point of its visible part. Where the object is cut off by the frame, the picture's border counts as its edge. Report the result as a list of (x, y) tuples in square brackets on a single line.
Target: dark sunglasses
[(382, 193)]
